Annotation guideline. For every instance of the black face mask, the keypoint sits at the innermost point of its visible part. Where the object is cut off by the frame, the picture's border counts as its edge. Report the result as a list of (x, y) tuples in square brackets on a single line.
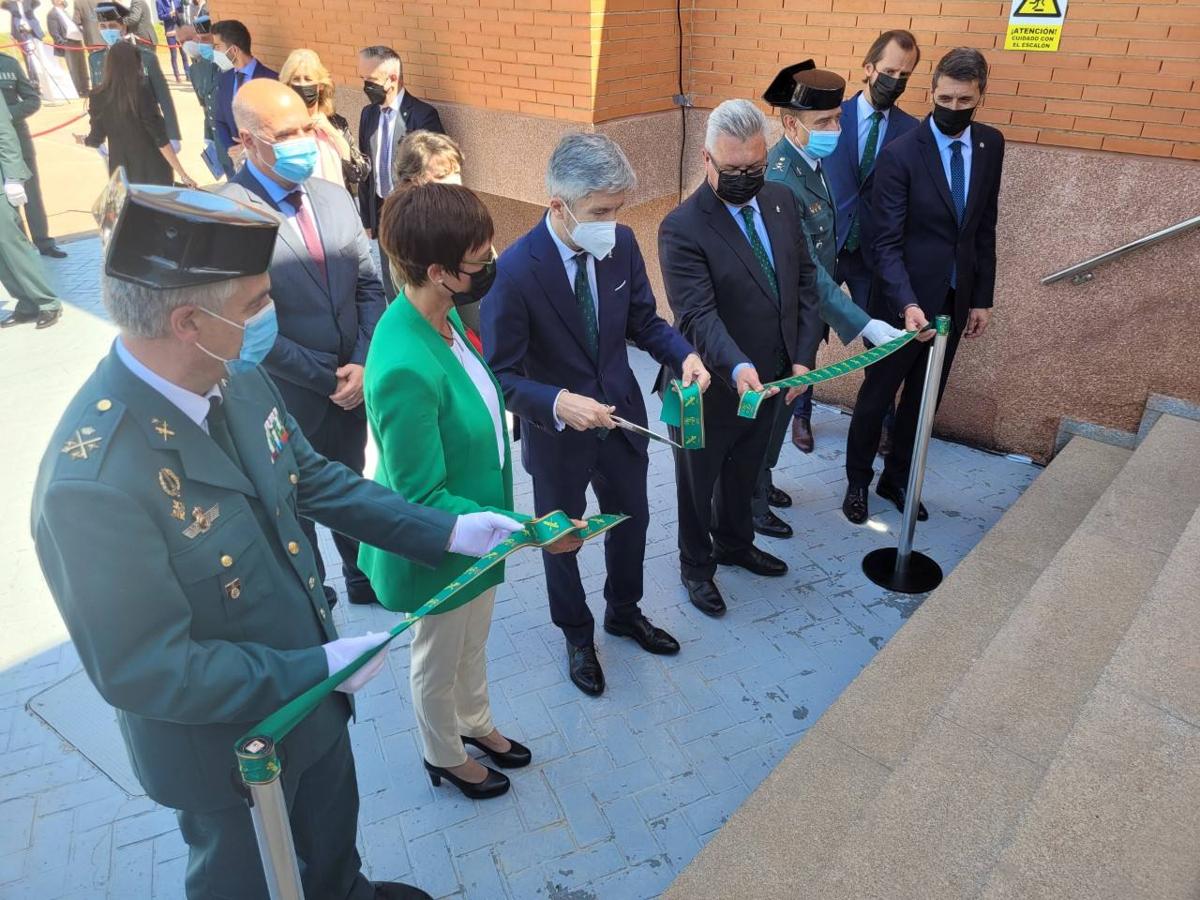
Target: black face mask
[(951, 121), (308, 92), (886, 90), (376, 93), (481, 283), (739, 188)]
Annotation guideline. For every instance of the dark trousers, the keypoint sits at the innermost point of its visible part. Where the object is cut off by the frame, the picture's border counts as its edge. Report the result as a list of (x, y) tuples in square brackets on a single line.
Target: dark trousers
[(35, 209), (322, 801), (341, 437), (617, 474), (853, 272), (904, 368), (779, 432), (714, 487), (76, 60)]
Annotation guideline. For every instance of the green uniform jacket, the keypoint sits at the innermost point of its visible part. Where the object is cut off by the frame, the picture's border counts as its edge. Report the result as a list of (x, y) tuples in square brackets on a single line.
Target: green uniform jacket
[(154, 75), (184, 579), (19, 93), (838, 310), (12, 163), (437, 446)]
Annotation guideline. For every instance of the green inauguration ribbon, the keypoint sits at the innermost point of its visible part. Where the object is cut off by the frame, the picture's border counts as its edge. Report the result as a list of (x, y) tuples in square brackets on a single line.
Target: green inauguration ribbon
[(751, 400), (683, 409), (536, 533)]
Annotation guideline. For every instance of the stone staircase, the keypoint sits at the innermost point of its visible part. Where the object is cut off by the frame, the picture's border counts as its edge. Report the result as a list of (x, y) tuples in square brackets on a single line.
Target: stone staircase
[(1033, 731)]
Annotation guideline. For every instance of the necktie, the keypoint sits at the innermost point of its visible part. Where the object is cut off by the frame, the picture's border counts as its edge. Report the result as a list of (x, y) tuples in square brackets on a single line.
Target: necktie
[(958, 179), (853, 240), (756, 244), (218, 429), (587, 306), (385, 152), (308, 229), (240, 78)]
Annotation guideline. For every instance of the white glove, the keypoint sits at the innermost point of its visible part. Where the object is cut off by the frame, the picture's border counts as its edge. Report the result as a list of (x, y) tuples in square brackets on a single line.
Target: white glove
[(176, 145), (880, 332), (343, 651), (15, 191), (475, 534)]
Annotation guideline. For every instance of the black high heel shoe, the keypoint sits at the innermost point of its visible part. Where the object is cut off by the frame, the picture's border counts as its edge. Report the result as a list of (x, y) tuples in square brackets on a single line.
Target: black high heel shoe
[(493, 786), (514, 758)]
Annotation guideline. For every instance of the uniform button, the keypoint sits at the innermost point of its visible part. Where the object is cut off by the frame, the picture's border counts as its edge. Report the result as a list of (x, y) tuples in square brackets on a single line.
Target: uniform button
[(322, 614), (312, 582), (294, 478), (227, 560), (277, 512), (104, 405), (293, 548)]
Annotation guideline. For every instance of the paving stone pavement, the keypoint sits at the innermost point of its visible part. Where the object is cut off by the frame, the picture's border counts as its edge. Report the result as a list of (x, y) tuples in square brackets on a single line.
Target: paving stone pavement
[(625, 789)]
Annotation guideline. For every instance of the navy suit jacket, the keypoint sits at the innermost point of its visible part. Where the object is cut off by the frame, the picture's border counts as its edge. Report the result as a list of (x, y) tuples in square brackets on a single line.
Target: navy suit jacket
[(917, 239), (323, 323), (416, 115), (841, 168), (14, 8), (533, 337), (223, 123)]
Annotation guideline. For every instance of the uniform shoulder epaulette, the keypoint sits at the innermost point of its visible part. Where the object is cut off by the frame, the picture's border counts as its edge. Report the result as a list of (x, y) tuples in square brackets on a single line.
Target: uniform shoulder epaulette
[(781, 164), (86, 443)]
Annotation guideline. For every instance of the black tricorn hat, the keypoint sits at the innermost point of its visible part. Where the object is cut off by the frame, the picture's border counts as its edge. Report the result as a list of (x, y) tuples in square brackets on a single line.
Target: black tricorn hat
[(804, 87), (168, 237), (111, 11)]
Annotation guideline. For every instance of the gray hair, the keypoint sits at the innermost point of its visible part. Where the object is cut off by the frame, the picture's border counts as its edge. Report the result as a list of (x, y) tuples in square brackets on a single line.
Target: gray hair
[(585, 164), (145, 312), (380, 53), (739, 119)]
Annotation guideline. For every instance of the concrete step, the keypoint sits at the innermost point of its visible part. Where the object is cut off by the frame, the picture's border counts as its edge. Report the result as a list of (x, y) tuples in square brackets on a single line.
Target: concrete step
[(1116, 817), (944, 817), (783, 837)]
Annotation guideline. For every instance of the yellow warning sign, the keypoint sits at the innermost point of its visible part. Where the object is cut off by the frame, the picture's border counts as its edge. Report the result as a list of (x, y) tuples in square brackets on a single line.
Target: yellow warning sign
[(1035, 25)]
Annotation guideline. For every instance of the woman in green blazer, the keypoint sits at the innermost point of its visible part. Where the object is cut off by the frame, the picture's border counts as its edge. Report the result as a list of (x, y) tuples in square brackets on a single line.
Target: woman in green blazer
[(437, 416)]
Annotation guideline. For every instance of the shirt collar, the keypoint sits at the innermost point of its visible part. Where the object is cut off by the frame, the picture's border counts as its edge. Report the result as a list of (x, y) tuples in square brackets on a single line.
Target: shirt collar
[(812, 163), (737, 210), (248, 68), (194, 406), (277, 192), (567, 254), (944, 140), (394, 106), (865, 109)]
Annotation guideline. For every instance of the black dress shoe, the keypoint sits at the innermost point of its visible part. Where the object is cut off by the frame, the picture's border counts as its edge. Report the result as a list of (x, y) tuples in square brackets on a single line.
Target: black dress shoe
[(19, 318), (854, 506), (394, 890), (753, 560), (778, 498), (585, 669), (362, 597), (493, 785), (48, 318), (705, 597), (889, 491), (52, 251), (772, 526), (514, 757), (802, 435), (652, 640)]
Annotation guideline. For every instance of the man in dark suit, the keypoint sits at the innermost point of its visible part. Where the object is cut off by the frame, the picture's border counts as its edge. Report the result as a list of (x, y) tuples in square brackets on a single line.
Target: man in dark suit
[(933, 207), (567, 297), (231, 40), (390, 114), (743, 289), (870, 121), (325, 285), (140, 23)]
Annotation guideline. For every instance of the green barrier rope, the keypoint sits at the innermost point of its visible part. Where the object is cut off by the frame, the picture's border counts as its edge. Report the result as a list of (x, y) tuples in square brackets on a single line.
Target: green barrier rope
[(751, 400), (683, 409), (536, 533)]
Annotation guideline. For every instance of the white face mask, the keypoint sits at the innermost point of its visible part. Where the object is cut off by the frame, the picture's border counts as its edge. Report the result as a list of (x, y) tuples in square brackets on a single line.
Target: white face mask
[(597, 238), (222, 62), (452, 178)]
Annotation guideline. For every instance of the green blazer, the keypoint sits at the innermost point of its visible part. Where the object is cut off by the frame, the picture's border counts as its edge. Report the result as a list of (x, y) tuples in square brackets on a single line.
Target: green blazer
[(437, 446), (184, 577), (816, 205)]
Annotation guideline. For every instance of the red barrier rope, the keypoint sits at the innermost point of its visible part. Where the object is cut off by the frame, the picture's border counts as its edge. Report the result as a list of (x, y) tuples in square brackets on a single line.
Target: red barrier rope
[(62, 125)]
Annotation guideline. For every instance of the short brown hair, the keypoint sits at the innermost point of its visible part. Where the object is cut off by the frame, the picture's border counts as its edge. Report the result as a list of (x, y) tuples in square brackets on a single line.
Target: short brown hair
[(432, 224), (963, 64), (906, 39), (418, 150)]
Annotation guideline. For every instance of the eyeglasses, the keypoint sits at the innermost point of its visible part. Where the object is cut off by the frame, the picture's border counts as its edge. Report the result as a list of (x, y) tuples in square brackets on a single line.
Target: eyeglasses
[(751, 171)]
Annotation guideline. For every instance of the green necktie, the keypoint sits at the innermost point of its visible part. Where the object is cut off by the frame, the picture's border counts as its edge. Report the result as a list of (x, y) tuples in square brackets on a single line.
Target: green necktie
[(587, 306), (864, 169), (756, 244)]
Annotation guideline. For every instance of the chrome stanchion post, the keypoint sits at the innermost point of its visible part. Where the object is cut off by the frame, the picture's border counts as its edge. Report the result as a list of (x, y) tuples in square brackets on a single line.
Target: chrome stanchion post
[(259, 769), (901, 568)]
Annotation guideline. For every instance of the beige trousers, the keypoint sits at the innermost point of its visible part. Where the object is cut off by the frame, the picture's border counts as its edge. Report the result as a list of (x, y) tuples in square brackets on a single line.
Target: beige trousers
[(449, 679)]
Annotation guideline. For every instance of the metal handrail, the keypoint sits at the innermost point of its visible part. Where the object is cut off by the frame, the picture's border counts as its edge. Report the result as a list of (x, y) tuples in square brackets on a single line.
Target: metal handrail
[(1081, 273)]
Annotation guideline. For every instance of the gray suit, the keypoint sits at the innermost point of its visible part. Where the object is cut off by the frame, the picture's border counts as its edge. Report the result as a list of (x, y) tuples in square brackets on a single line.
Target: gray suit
[(85, 18), (325, 321)]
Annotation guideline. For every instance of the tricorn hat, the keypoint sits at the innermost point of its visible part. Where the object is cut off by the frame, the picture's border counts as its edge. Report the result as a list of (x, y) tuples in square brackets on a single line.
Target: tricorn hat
[(804, 87), (111, 11), (168, 237)]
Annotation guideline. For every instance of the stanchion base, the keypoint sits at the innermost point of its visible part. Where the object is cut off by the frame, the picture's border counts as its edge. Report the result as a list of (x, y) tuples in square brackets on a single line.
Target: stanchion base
[(920, 576)]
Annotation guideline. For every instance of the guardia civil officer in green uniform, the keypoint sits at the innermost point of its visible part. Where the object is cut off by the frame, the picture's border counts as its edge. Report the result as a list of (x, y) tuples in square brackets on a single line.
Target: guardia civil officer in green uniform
[(111, 19), (166, 521), (21, 271), (809, 100)]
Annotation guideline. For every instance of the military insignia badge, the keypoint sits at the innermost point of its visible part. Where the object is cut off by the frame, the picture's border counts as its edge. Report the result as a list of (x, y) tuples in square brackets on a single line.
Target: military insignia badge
[(202, 520), (233, 589), (277, 434), (173, 488), (164, 430), (84, 442)]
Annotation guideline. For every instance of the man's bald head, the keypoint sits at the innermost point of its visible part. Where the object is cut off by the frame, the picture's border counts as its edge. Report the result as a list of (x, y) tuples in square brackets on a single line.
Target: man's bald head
[(268, 113)]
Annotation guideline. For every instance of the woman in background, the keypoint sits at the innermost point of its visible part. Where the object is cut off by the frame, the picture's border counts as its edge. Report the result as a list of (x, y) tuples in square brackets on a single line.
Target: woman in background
[(340, 160)]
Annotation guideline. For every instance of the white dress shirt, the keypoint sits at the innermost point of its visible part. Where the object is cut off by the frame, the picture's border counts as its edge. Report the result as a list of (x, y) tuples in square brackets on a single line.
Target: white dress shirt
[(194, 406), (865, 110), (483, 383)]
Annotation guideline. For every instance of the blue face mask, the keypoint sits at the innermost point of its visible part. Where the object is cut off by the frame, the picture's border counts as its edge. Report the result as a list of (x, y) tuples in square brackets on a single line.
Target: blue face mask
[(110, 35), (206, 51), (295, 160), (821, 143), (258, 337)]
